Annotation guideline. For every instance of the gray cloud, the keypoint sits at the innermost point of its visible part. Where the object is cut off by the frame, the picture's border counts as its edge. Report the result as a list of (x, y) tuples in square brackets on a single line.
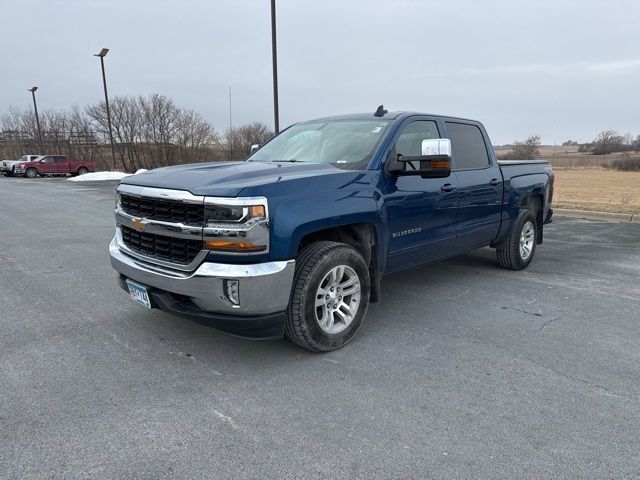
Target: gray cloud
[(560, 69)]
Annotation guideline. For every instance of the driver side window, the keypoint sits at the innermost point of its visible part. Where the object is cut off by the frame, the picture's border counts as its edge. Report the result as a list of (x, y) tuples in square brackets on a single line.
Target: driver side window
[(409, 142)]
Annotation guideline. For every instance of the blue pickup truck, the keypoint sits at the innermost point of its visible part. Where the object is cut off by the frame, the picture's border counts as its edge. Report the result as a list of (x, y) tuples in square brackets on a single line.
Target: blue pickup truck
[(295, 239)]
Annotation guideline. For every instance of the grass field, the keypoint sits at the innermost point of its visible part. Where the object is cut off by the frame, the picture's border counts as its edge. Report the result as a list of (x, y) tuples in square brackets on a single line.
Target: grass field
[(589, 182), (597, 189)]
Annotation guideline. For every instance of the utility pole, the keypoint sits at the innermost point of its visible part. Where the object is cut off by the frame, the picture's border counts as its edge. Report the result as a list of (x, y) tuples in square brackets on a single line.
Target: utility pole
[(35, 108), (102, 54), (274, 59), (231, 136)]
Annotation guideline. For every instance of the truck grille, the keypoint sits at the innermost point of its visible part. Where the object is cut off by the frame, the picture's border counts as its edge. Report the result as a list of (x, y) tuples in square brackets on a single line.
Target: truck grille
[(169, 249), (163, 210)]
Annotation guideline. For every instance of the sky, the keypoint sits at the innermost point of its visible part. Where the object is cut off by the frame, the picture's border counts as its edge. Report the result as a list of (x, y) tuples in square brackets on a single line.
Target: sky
[(559, 69)]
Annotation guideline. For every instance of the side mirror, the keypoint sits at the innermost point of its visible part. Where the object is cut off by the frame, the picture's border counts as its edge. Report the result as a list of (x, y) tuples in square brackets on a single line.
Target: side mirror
[(254, 147), (435, 161), (437, 146)]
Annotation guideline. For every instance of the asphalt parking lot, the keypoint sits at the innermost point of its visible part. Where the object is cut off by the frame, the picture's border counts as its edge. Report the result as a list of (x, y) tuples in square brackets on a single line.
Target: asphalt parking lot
[(464, 370)]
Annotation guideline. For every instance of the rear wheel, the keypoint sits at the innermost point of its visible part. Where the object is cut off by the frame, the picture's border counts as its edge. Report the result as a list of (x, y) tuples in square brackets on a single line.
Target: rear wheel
[(83, 170), (31, 173), (330, 296), (521, 245)]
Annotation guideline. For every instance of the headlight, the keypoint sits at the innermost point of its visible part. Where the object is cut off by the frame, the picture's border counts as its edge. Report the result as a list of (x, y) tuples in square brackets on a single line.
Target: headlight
[(236, 225), (117, 198), (217, 214)]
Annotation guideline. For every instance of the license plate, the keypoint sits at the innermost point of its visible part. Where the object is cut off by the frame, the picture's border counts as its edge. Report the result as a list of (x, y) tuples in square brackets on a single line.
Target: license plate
[(139, 294)]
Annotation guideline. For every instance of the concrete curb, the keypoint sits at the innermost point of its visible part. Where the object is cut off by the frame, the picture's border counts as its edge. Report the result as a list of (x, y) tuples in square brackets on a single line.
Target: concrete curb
[(592, 215)]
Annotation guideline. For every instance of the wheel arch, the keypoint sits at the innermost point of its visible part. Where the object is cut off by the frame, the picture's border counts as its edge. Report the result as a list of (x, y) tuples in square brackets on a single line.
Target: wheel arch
[(362, 236), (535, 203)]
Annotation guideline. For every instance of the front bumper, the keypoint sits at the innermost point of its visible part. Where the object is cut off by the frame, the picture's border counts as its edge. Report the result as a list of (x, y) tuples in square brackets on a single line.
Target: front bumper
[(264, 290)]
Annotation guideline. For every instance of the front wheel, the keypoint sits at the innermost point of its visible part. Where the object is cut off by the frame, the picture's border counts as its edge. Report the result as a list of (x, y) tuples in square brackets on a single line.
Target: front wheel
[(31, 173), (330, 297), (521, 244)]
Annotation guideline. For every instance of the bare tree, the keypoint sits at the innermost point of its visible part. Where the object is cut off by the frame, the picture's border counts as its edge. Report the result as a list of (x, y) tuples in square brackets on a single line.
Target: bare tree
[(607, 141), (83, 142), (15, 140), (148, 131), (527, 149), (194, 137), (237, 141), (160, 116)]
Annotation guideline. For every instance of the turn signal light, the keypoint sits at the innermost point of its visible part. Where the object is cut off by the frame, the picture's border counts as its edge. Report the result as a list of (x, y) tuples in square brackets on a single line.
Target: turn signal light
[(228, 246), (440, 164), (257, 211)]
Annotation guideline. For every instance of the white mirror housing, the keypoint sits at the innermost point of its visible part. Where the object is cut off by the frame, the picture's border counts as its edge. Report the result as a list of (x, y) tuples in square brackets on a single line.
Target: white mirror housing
[(437, 147)]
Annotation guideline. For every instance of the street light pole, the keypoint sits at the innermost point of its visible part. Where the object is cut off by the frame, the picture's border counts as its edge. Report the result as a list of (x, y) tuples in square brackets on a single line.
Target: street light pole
[(274, 58), (35, 108), (102, 54)]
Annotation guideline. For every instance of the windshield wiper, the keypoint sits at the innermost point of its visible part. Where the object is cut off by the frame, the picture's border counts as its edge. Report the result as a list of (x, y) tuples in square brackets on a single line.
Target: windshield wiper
[(291, 160)]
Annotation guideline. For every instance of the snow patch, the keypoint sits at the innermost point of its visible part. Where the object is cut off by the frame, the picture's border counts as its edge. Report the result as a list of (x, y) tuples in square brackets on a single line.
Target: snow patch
[(99, 176)]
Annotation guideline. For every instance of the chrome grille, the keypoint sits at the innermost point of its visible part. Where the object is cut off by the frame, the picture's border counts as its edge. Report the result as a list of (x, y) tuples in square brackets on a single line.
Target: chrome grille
[(163, 210), (169, 249)]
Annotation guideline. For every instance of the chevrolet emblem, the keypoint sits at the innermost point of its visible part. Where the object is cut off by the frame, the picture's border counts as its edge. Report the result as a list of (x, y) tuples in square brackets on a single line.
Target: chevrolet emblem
[(138, 225)]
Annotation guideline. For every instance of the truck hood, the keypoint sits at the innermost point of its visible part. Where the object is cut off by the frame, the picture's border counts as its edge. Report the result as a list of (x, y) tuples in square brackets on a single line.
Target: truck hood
[(226, 179)]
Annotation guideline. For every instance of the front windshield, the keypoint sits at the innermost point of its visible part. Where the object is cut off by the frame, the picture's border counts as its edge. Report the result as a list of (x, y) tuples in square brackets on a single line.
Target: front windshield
[(345, 143)]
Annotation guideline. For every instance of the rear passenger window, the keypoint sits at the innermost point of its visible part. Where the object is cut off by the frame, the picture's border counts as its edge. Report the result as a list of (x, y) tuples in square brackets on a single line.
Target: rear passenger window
[(59, 159), (467, 146)]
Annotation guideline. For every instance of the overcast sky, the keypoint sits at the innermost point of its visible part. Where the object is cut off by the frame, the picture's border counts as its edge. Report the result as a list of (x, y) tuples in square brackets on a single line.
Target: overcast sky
[(561, 69)]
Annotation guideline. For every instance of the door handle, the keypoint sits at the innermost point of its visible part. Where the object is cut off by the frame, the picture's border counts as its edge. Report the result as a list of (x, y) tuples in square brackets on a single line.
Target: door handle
[(494, 182), (447, 187)]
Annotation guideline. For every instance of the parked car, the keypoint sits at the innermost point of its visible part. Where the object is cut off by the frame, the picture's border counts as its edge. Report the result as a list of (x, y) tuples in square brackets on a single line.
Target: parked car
[(7, 166), (54, 165), (295, 240)]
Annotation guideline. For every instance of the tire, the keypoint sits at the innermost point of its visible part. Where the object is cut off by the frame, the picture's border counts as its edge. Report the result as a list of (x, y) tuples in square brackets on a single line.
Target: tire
[(31, 173), (83, 170), (521, 244), (326, 269)]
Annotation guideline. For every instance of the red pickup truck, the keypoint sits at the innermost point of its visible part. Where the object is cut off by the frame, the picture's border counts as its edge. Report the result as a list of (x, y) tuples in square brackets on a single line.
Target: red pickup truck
[(54, 165)]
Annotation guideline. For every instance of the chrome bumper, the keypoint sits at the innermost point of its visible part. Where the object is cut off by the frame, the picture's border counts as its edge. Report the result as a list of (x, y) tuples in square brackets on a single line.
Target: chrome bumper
[(264, 287)]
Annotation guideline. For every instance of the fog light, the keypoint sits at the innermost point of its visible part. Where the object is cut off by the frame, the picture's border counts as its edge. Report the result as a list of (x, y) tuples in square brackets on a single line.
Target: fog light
[(232, 291)]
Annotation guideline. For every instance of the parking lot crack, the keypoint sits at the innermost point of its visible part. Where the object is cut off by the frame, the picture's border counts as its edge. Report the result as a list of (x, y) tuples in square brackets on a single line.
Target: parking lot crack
[(228, 420), (507, 307), (545, 324)]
